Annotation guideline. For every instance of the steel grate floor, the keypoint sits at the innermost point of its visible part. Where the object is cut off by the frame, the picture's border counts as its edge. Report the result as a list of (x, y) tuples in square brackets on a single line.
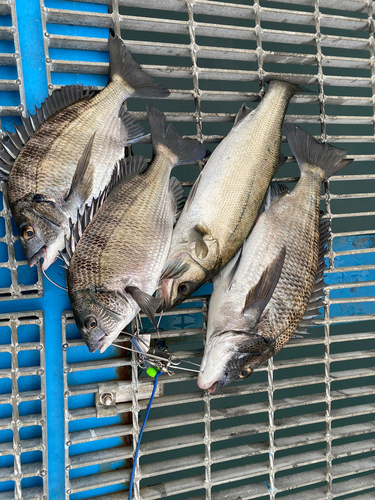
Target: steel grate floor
[(23, 444), (303, 426)]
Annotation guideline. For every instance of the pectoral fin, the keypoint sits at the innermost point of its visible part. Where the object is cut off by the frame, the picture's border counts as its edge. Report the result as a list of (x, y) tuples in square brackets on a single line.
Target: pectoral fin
[(146, 302), (259, 296), (174, 269), (196, 236), (82, 180)]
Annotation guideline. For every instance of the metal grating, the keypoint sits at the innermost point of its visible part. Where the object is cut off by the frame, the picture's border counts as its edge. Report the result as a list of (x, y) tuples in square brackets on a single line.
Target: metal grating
[(303, 426), (17, 279), (12, 91), (23, 440)]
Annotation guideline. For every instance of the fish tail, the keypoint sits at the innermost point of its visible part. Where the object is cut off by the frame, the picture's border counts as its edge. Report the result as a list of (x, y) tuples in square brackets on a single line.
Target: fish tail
[(123, 66), (187, 150), (308, 152), (294, 88)]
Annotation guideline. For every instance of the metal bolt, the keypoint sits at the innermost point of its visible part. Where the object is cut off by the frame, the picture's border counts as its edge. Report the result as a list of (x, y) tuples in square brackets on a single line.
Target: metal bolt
[(41, 396), (43, 472), (65, 346), (106, 398)]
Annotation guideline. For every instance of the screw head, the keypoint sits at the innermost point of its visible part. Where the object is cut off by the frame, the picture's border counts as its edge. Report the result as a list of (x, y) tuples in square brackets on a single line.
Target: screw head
[(106, 398)]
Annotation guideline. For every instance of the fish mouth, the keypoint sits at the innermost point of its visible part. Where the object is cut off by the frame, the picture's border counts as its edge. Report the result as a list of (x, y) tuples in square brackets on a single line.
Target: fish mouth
[(99, 344), (41, 253), (213, 387)]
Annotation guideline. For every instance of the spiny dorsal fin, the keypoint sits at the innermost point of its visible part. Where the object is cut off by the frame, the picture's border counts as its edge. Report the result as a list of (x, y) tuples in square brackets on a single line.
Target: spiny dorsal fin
[(126, 169), (316, 301), (259, 296), (13, 142), (178, 196)]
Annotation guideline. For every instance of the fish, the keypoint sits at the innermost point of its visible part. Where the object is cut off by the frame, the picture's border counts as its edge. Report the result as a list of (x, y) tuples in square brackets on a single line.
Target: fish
[(117, 263), (274, 287), (63, 156), (226, 198)]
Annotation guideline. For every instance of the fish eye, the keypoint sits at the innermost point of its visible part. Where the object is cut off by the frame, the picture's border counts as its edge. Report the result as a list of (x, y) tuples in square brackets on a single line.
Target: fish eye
[(245, 372), (183, 288), (28, 233), (90, 323)]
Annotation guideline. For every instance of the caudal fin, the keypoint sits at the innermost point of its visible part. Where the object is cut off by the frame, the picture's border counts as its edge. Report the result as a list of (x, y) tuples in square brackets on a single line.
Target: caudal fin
[(311, 152), (124, 66), (187, 150)]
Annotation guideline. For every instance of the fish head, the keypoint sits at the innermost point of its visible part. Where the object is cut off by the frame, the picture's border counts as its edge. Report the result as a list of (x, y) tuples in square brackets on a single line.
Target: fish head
[(43, 225), (196, 271), (100, 317), (229, 356)]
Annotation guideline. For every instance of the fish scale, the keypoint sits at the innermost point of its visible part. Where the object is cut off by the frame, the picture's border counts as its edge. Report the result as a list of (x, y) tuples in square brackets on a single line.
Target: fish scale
[(261, 297), (227, 196), (118, 260), (72, 145)]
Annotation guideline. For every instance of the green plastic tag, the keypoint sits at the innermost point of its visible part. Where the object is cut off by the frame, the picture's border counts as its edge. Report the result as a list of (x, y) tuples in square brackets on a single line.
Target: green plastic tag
[(151, 371)]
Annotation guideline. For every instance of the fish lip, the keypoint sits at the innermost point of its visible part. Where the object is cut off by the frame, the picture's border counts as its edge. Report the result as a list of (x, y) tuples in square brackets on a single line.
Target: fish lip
[(41, 253), (213, 387), (99, 344)]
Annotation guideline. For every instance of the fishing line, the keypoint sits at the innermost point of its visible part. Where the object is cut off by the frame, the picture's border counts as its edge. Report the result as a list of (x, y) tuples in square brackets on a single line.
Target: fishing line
[(157, 358), (141, 434), (49, 279)]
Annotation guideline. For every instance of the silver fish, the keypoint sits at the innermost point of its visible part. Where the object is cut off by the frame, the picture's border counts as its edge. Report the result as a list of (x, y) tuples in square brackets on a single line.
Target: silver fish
[(116, 265), (225, 200), (274, 287), (47, 180)]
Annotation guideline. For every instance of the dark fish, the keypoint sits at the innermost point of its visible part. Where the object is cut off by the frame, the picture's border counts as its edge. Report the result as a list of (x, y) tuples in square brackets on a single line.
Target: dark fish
[(274, 287), (116, 265), (47, 181), (225, 200)]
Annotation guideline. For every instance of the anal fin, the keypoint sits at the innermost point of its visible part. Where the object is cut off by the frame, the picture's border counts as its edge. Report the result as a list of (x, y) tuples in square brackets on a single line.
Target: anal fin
[(178, 196)]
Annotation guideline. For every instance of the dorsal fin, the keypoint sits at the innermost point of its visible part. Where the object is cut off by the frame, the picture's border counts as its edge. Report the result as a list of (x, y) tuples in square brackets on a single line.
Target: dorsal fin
[(317, 297), (13, 142), (125, 169)]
